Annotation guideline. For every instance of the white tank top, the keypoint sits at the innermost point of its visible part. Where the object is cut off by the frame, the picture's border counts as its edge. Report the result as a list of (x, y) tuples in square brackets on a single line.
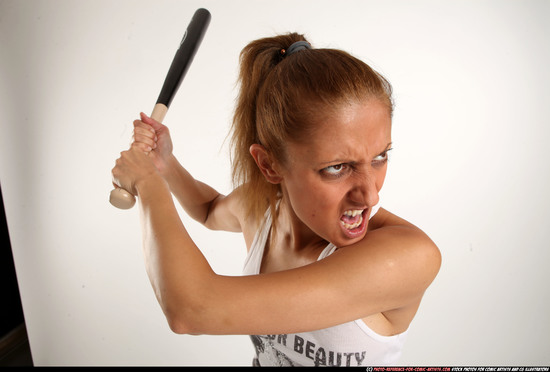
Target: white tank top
[(348, 344)]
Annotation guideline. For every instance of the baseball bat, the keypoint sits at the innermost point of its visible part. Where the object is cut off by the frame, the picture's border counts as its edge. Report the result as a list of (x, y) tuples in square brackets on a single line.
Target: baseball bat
[(189, 45)]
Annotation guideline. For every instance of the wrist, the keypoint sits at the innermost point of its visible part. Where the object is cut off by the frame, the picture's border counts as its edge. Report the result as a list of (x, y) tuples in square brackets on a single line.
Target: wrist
[(150, 184), (169, 172)]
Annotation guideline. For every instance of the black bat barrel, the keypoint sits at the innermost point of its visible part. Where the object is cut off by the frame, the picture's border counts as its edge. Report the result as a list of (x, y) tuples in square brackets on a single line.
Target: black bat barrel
[(184, 55)]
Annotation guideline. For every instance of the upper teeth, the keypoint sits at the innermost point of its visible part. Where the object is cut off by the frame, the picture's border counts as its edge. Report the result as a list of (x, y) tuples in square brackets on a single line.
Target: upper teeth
[(353, 213)]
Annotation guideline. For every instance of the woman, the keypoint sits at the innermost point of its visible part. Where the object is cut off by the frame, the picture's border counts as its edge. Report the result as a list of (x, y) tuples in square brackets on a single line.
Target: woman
[(340, 278)]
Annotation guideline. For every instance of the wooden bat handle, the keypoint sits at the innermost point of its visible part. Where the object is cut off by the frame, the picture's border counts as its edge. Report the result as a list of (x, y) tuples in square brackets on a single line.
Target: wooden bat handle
[(121, 198)]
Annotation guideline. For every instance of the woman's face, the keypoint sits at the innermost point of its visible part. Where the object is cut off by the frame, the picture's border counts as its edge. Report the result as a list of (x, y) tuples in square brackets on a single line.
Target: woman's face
[(332, 181)]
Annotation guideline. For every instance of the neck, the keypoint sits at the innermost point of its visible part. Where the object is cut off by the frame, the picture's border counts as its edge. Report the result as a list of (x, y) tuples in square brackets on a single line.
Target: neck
[(292, 232)]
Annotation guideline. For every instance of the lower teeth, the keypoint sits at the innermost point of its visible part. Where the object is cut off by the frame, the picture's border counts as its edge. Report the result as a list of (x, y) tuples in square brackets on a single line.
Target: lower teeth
[(353, 226)]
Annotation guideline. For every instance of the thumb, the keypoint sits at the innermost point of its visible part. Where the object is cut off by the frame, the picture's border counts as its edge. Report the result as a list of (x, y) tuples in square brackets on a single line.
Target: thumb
[(152, 122)]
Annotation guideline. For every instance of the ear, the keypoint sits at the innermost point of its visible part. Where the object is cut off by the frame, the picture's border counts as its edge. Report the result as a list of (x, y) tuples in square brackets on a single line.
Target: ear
[(268, 166)]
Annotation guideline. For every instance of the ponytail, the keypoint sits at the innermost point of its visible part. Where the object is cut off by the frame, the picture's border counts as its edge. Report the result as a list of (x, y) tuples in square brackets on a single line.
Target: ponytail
[(257, 61)]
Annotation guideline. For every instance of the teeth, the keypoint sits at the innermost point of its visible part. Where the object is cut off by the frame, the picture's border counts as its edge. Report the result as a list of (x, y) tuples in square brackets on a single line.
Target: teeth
[(354, 212), (353, 225)]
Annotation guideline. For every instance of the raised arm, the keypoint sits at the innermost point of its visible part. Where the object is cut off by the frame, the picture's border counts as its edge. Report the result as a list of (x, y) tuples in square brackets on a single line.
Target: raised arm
[(200, 201)]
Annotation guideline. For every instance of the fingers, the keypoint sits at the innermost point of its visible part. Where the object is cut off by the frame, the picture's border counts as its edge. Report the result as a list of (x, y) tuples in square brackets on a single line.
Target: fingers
[(116, 172), (152, 122), (160, 129), (132, 166), (144, 136), (151, 135)]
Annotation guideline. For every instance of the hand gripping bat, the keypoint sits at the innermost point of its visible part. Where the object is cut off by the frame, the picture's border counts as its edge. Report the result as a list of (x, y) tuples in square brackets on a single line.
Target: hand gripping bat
[(189, 45)]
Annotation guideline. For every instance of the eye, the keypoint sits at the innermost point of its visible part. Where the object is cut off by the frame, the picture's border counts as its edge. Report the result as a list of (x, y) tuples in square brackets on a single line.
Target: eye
[(381, 159), (334, 170)]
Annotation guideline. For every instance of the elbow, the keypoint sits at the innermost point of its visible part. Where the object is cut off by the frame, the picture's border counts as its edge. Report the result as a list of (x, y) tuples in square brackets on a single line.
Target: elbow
[(177, 327), (182, 326), (191, 312), (186, 319)]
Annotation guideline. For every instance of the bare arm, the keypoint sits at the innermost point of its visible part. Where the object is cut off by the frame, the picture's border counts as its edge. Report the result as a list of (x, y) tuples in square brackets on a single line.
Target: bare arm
[(391, 268), (200, 201), (388, 270)]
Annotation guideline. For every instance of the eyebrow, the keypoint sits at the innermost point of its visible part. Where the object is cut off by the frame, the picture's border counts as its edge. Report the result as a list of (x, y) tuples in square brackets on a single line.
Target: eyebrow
[(388, 147), (338, 161)]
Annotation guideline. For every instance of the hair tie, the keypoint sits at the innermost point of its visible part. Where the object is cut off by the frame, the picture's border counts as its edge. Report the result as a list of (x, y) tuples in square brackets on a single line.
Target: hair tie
[(295, 47)]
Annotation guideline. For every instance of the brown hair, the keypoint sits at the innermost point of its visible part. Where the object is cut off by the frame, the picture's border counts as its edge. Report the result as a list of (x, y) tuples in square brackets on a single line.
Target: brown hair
[(280, 100)]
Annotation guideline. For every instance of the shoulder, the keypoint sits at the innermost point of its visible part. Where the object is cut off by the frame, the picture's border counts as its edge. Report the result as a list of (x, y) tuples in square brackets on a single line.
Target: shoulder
[(407, 244), (398, 252), (394, 229)]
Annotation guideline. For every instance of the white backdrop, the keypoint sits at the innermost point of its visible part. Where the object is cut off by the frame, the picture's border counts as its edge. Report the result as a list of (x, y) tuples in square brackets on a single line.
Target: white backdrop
[(470, 164)]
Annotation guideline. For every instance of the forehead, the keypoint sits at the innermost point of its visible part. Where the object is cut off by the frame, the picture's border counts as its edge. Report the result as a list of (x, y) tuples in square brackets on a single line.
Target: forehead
[(351, 130)]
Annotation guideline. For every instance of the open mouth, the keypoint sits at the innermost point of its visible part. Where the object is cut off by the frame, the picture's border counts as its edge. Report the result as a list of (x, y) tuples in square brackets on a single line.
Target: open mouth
[(352, 219)]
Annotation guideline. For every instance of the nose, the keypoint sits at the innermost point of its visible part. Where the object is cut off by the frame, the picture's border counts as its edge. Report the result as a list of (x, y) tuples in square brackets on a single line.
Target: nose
[(364, 191)]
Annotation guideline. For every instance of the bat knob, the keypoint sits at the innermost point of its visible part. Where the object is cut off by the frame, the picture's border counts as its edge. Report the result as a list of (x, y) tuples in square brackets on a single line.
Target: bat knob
[(122, 199)]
